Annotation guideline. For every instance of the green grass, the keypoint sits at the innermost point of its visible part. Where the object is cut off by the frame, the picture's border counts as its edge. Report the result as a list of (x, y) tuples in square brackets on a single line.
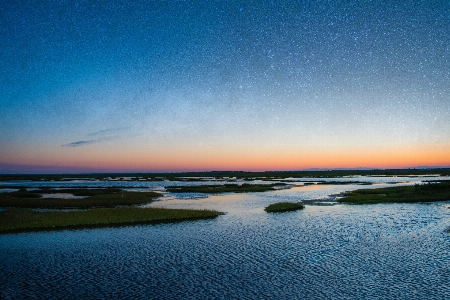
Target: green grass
[(226, 188), (98, 199), (79, 191), (105, 207), (439, 191), (284, 206), (22, 219)]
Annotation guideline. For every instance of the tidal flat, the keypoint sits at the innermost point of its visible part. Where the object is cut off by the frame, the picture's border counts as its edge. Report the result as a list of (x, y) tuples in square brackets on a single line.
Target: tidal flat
[(331, 250), (427, 192), (96, 197), (30, 210)]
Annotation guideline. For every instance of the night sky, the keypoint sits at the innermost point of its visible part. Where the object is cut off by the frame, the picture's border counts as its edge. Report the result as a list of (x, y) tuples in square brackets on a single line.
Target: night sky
[(90, 86)]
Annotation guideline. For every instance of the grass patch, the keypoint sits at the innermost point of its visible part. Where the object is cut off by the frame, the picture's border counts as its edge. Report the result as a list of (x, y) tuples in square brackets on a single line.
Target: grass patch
[(105, 207), (225, 188), (429, 192), (96, 198), (22, 194), (79, 191), (22, 219), (284, 206)]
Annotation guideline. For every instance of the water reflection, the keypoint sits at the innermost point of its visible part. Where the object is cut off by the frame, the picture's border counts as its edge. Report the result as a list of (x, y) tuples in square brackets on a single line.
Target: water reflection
[(236, 203)]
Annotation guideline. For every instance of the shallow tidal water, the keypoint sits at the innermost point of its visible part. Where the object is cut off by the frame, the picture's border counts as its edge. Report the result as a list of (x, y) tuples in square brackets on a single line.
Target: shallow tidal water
[(383, 251)]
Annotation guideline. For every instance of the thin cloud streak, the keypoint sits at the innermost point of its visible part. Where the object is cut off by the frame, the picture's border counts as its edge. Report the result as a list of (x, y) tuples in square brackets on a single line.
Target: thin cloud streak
[(80, 143), (104, 135)]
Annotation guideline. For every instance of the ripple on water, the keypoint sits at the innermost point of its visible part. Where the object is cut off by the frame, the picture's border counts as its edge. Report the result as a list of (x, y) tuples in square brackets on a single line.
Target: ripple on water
[(345, 251), (379, 251)]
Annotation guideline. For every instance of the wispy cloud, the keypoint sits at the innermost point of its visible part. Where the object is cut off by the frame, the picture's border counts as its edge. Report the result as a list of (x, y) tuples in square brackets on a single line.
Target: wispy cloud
[(107, 131), (80, 143), (99, 136)]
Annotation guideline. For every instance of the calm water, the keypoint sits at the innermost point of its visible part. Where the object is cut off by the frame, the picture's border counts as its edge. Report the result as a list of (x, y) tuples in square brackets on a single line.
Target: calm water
[(395, 251)]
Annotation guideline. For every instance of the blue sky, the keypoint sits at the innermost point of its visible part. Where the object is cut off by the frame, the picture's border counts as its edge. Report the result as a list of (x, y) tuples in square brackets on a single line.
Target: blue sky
[(181, 85)]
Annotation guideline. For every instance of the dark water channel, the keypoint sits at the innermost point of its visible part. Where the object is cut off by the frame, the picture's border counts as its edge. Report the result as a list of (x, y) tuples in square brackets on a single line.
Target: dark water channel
[(383, 251)]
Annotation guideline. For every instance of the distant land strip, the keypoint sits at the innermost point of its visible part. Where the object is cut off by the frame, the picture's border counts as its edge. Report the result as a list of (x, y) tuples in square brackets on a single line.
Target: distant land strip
[(191, 176)]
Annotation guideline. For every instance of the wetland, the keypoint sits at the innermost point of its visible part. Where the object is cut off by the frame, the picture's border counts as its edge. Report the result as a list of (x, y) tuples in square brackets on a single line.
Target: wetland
[(328, 249)]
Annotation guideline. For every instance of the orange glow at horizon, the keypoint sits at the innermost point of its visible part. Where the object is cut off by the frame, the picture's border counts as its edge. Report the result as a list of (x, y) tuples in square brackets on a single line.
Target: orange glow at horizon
[(235, 159)]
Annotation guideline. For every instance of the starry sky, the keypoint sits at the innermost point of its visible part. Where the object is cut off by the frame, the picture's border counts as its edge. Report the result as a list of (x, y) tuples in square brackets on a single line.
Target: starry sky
[(100, 86)]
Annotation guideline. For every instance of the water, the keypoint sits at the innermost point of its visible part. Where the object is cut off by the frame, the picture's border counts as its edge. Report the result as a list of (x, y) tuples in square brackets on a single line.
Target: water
[(159, 184), (383, 251)]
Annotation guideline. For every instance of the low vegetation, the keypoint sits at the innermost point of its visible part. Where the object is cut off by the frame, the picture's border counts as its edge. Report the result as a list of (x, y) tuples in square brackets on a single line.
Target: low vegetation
[(79, 191), (284, 206), (29, 211), (225, 188), (432, 191), (94, 198), (23, 219)]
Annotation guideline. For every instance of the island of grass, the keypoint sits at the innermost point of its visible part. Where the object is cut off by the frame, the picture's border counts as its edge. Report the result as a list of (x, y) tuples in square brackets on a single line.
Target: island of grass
[(430, 192), (284, 206), (225, 188), (24, 219), (97, 197), (28, 211)]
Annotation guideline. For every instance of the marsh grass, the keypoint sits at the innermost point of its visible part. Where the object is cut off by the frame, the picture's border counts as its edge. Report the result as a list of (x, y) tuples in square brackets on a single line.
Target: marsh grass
[(226, 188), (23, 219), (96, 198), (284, 206), (101, 207), (79, 191), (22, 194), (439, 191)]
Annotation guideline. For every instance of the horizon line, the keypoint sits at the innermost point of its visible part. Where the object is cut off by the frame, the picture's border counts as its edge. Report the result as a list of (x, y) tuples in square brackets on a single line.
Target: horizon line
[(222, 171)]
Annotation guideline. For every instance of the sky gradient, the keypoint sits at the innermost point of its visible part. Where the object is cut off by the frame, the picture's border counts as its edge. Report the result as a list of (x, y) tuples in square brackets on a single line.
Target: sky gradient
[(88, 86)]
